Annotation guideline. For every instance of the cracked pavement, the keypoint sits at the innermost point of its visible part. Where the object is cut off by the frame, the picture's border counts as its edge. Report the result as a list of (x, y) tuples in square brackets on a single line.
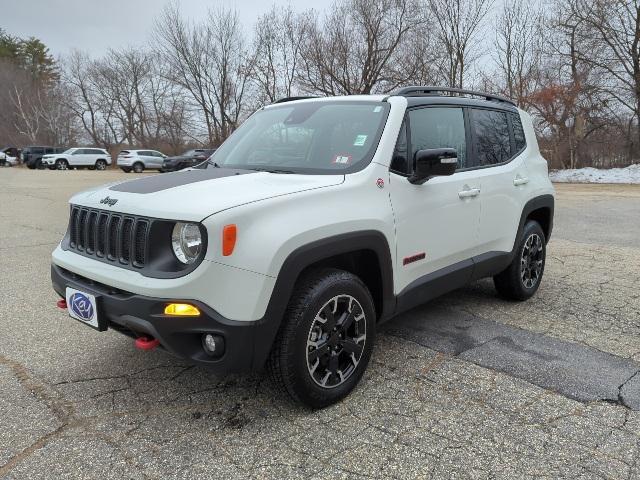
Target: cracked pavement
[(76, 403)]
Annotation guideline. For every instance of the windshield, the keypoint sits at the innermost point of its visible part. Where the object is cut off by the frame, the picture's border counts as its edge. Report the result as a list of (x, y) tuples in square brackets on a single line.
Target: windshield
[(310, 137)]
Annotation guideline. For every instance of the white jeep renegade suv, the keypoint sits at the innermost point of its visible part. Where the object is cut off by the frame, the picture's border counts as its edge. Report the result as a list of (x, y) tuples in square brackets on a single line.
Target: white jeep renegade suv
[(314, 222)]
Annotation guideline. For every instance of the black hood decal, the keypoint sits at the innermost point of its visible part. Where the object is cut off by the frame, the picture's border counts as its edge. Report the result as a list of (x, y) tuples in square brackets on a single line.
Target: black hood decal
[(165, 181)]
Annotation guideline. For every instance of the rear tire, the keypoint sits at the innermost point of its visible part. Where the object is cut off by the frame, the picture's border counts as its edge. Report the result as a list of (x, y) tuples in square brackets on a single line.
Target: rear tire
[(62, 164), (325, 339), (521, 279), (125, 170), (138, 167), (101, 165)]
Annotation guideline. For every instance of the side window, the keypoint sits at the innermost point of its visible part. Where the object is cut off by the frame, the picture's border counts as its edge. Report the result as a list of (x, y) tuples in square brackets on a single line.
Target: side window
[(399, 162), (518, 132), (79, 151), (492, 143), (438, 127)]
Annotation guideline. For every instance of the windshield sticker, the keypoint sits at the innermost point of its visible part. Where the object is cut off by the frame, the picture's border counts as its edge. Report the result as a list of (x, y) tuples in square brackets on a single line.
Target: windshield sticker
[(377, 109), (342, 159), (359, 141)]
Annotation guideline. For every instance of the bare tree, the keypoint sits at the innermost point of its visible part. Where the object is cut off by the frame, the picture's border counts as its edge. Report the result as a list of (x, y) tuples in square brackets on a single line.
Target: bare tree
[(614, 27), (352, 50), (569, 100), (95, 109), (459, 27), (209, 61), (519, 44), (277, 42)]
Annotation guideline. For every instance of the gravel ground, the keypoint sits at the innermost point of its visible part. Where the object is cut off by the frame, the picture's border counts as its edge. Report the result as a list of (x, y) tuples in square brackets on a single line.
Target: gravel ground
[(80, 404)]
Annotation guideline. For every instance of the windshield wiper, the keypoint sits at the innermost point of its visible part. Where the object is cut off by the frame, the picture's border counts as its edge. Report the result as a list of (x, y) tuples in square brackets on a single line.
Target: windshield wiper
[(272, 170)]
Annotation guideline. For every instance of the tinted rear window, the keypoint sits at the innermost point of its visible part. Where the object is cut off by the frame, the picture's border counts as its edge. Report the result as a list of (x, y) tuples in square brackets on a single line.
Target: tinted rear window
[(492, 143)]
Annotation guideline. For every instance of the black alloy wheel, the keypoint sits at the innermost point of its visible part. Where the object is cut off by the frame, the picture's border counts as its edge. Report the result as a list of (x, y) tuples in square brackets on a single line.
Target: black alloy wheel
[(336, 341)]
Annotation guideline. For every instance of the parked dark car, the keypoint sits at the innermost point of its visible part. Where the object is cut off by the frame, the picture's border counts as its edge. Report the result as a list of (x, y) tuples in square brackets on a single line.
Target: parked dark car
[(32, 156), (190, 158)]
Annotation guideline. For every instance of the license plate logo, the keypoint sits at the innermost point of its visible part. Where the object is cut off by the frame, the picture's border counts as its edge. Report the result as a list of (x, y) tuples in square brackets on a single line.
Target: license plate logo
[(82, 306)]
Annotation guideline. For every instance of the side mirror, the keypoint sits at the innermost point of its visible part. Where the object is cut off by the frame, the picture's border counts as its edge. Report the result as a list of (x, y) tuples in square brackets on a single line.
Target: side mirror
[(434, 162)]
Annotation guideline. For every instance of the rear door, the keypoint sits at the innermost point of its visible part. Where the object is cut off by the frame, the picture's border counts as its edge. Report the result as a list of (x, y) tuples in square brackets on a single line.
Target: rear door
[(437, 222), (499, 152), (157, 159), (77, 158)]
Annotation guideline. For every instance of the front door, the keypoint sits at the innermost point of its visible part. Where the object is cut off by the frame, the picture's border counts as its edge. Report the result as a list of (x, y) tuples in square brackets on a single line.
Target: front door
[(437, 222)]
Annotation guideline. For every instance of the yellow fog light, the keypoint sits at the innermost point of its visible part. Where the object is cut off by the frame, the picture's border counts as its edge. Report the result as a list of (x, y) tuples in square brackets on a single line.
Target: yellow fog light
[(181, 310)]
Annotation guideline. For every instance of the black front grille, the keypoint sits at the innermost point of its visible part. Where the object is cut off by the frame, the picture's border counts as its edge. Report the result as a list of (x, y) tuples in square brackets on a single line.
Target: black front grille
[(115, 237)]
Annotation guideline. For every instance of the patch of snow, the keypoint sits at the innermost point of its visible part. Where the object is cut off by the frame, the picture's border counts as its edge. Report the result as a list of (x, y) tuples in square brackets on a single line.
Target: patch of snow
[(630, 174)]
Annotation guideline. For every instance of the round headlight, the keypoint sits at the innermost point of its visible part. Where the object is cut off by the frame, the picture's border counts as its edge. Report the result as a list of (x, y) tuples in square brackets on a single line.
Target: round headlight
[(186, 241)]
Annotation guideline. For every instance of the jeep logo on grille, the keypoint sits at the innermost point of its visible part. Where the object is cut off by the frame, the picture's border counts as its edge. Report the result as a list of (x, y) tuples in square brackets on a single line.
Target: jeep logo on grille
[(109, 201)]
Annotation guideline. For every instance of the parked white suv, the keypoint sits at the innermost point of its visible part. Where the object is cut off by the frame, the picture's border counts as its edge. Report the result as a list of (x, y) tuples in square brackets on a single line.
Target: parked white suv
[(140, 160), (91, 158), (314, 222)]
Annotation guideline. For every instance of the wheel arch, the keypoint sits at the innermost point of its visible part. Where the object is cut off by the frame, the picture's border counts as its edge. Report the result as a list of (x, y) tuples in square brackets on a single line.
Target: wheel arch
[(364, 253), (540, 209)]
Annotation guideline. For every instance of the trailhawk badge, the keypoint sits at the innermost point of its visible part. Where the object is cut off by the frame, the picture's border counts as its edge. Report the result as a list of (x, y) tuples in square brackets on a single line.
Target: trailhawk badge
[(109, 201)]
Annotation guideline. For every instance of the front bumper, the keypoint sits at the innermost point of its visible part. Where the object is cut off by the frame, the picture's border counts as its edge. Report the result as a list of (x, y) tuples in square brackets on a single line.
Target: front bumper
[(138, 315)]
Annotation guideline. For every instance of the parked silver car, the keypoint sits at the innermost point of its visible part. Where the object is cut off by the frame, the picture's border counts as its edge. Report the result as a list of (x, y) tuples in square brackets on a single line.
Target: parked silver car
[(139, 160)]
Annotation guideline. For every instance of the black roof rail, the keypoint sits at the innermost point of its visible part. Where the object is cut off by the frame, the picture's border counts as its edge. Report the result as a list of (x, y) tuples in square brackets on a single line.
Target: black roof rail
[(418, 90), (290, 99)]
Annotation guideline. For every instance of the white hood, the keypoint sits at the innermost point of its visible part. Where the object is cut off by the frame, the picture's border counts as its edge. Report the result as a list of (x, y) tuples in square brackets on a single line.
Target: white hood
[(195, 194)]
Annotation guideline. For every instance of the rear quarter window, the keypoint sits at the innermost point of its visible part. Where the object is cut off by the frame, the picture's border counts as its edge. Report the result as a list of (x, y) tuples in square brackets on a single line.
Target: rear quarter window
[(518, 132)]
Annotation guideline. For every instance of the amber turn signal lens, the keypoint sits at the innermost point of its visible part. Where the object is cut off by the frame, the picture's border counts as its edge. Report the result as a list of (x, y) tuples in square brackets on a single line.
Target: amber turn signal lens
[(181, 310), (229, 233)]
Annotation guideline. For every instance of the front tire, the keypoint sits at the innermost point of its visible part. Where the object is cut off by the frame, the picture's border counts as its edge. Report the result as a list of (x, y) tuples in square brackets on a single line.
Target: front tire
[(326, 338), (62, 164), (138, 167), (521, 279)]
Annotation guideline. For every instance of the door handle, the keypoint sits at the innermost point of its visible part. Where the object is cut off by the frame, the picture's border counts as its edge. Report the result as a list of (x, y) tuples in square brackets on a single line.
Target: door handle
[(467, 193), (520, 181)]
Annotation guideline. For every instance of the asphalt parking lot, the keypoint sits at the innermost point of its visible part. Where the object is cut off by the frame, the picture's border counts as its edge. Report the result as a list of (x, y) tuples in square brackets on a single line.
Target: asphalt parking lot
[(468, 386)]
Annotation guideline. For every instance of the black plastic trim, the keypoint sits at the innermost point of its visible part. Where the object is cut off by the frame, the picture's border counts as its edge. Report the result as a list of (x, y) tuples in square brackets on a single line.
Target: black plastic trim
[(309, 254), (543, 201), (159, 261), (138, 315)]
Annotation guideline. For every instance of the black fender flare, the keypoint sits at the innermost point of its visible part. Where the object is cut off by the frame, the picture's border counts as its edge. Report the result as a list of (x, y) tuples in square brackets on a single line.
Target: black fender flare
[(306, 255), (542, 201)]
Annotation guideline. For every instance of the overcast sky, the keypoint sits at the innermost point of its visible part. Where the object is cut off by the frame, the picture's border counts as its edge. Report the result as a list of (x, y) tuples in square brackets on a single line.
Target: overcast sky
[(97, 25)]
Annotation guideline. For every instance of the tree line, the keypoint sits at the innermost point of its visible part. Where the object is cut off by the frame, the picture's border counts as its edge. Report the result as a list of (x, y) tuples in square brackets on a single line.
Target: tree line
[(574, 65)]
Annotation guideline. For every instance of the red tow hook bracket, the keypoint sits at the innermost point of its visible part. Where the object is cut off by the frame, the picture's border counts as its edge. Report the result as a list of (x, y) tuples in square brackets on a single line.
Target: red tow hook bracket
[(62, 303), (145, 343)]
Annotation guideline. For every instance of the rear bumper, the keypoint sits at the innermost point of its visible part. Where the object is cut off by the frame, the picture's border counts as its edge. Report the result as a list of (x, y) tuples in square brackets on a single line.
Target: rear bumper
[(138, 315)]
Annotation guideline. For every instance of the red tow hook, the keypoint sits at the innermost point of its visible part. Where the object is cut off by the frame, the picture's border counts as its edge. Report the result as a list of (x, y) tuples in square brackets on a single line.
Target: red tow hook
[(145, 343), (62, 303)]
